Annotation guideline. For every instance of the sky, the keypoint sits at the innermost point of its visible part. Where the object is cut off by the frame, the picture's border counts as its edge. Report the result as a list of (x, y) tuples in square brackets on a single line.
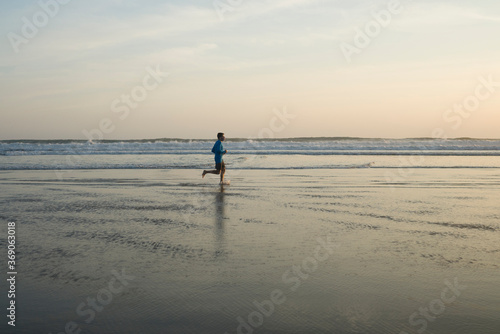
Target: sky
[(130, 69)]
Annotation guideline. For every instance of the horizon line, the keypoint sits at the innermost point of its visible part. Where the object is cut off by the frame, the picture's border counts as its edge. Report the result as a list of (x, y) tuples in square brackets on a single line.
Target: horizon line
[(242, 139)]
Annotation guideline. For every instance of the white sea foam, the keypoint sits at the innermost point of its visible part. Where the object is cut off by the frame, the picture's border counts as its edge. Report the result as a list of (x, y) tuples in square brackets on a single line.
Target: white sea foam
[(310, 146), (281, 154)]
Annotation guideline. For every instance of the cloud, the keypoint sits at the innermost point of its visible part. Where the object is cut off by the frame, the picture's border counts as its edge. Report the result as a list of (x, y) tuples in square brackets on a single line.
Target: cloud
[(426, 16), (182, 55)]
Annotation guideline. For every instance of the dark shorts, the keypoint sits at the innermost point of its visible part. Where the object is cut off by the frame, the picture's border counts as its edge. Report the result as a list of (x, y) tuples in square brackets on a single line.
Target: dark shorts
[(220, 166)]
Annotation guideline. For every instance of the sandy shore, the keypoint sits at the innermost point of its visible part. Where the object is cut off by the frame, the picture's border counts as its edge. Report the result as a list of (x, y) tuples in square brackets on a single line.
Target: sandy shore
[(282, 251)]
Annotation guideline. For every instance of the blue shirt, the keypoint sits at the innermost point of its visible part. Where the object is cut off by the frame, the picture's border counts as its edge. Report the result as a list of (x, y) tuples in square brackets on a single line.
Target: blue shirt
[(219, 151)]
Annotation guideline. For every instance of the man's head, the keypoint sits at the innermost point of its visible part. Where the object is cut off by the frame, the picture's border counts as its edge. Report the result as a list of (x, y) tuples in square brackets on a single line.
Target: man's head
[(220, 136)]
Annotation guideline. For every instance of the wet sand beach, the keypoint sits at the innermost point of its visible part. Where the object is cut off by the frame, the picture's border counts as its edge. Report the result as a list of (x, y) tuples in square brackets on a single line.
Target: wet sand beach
[(277, 251)]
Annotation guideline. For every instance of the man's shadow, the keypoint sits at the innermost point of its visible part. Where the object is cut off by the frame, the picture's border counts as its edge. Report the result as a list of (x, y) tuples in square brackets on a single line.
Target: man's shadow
[(219, 222)]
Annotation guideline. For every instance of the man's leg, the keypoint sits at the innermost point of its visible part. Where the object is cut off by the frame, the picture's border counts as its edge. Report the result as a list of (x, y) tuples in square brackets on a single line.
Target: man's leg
[(214, 171), (222, 172)]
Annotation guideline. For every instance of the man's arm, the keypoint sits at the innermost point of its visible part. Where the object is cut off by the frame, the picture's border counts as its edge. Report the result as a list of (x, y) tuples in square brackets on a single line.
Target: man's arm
[(222, 150)]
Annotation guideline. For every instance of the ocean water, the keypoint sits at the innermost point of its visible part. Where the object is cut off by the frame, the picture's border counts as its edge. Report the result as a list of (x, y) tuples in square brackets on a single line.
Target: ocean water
[(408, 217), (294, 153)]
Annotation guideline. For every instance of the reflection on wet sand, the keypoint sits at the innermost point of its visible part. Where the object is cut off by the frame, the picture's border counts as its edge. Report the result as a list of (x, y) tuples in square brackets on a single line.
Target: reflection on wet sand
[(219, 222)]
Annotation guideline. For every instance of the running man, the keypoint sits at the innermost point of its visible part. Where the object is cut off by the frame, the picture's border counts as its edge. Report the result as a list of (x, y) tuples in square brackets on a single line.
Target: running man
[(219, 151)]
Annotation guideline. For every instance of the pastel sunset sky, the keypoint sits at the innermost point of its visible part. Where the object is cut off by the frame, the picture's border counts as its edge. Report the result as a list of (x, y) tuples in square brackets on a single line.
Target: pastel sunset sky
[(411, 67)]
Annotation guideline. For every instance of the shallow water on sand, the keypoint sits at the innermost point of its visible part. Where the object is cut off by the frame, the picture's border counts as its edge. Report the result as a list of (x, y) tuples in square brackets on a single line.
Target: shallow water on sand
[(282, 251)]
